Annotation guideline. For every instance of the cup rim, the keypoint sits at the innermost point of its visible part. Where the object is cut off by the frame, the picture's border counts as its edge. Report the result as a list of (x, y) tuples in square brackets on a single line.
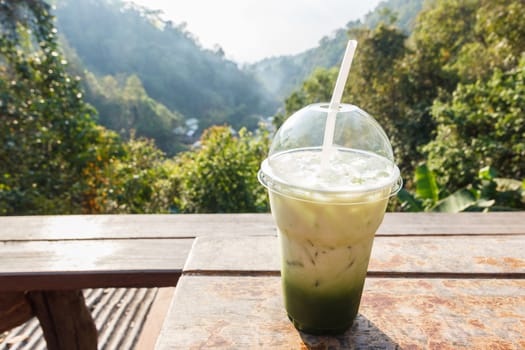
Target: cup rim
[(274, 183)]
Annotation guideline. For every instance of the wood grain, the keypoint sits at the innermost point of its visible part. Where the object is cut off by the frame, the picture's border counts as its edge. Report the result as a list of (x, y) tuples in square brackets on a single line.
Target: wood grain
[(155, 319), (73, 227), (211, 312), (91, 263), (498, 223), (14, 310), (114, 255), (63, 253), (491, 255), (65, 320), (88, 279), (234, 254)]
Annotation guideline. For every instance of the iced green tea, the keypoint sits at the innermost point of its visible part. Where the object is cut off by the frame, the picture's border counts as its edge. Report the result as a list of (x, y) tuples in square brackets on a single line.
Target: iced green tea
[(327, 222)]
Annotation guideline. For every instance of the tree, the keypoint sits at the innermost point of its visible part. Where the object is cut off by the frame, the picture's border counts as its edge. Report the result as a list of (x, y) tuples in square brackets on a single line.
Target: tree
[(51, 150), (383, 84), (123, 105), (317, 88), (221, 175), (486, 193), (171, 65), (483, 125), (463, 41), (141, 181), (402, 13)]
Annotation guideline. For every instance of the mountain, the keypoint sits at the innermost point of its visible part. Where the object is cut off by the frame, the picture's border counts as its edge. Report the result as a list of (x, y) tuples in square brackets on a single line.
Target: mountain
[(151, 77), (284, 74), (119, 39)]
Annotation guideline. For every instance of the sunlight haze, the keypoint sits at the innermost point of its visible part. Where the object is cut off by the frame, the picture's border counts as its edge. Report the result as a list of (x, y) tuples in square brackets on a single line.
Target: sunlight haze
[(250, 30)]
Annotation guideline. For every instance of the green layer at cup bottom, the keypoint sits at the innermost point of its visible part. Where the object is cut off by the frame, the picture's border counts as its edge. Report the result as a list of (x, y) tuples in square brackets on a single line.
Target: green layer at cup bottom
[(318, 313)]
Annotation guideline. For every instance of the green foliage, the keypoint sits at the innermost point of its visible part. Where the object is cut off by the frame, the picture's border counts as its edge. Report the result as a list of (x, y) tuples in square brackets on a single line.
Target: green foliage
[(480, 122), (50, 148), (402, 13), (469, 39), (426, 186), (118, 38), (142, 181), (443, 29), (54, 159), (285, 74), (486, 193), (317, 88), (124, 106), (221, 176), (483, 125), (410, 85), (382, 83), (459, 201), (453, 91)]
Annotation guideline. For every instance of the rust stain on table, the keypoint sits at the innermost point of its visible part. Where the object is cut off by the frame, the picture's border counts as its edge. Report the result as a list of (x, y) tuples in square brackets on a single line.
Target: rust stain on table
[(463, 314), (222, 312), (458, 254), (510, 262)]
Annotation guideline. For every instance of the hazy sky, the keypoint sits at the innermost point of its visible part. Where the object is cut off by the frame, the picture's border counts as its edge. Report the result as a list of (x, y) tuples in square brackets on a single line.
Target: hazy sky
[(249, 30)]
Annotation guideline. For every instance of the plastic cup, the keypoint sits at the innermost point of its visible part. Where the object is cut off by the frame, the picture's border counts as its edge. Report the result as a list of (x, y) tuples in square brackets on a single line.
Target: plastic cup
[(327, 215)]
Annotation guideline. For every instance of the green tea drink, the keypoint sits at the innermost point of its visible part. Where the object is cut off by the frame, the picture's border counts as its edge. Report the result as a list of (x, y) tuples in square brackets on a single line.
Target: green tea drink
[(327, 222)]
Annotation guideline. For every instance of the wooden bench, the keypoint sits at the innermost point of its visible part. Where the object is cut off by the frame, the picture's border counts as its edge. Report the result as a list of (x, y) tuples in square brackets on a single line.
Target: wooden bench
[(46, 260)]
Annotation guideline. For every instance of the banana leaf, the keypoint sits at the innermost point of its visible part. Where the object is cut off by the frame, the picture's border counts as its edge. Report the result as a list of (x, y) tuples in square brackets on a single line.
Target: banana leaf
[(457, 202), (426, 185), (409, 202)]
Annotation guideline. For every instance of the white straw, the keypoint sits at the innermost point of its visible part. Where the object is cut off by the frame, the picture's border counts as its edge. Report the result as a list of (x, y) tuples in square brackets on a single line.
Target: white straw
[(343, 74), (336, 100)]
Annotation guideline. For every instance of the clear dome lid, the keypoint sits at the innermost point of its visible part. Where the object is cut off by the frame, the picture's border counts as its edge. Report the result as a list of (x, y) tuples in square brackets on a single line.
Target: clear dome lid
[(361, 157), (354, 129)]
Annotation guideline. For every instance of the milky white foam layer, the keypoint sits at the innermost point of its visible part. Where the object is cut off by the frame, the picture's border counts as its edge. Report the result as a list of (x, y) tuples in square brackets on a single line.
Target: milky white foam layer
[(346, 170)]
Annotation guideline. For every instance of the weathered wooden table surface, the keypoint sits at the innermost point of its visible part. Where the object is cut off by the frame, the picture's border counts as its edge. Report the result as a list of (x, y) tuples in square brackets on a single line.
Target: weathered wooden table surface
[(46, 260), (435, 281)]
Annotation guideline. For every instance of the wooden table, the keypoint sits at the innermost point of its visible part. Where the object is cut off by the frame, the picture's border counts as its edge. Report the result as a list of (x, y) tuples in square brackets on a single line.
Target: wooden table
[(46, 260), (435, 281)]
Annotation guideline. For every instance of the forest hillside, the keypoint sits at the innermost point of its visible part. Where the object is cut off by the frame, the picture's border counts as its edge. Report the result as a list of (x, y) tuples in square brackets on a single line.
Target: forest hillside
[(76, 137)]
